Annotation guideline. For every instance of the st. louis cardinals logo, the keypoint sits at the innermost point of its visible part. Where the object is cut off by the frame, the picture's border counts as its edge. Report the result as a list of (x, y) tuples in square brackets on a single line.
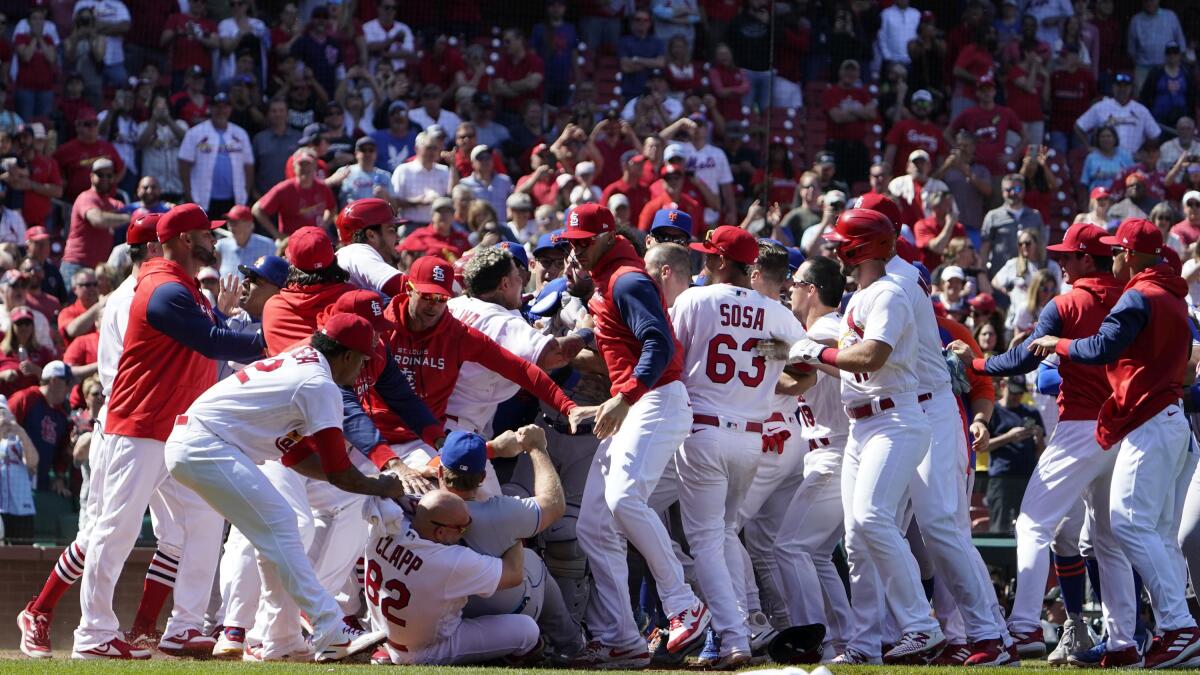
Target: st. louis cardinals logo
[(439, 273), (376, 308), (285, 443)]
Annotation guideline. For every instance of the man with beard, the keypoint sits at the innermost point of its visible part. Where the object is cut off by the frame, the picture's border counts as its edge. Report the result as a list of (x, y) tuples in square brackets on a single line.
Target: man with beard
[(367, 232), (94, 216), (918, 133)]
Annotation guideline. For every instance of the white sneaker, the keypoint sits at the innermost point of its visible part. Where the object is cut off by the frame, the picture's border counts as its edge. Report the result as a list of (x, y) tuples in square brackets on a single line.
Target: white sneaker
[(917, 647), (761, 632), (346, 641), (1073, 638), (597, 655), (688, 626), (231, 644)]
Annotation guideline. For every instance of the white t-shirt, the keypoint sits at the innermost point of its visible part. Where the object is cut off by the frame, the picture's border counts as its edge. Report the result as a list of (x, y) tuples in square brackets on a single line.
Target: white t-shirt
[(825, 417), (366, 266), (373, 31), (932, 372), (712, 168), (113, 321), (108, 12), (265, 409), (880, 312), (1133, 121), (445, 119), (478, 390), (416, 587), (718, 327)]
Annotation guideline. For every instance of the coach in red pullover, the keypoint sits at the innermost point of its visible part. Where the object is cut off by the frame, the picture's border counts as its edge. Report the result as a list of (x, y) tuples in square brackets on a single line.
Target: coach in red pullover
[(315, 282), (1144, 344), (171, 342)]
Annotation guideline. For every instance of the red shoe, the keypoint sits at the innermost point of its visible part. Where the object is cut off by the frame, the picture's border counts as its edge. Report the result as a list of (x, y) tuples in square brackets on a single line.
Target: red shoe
[(190, 643), (381, 657), (115, 649), (1176, 647), (688, 626), (989, 653), (35, 632), (1031, 644), (953, 655)]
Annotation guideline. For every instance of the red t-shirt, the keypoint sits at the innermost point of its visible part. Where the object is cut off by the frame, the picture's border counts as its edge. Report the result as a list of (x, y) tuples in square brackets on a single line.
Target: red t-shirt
[(37, 207), (612, 160), (730, 77), (545, 191), (41, 356), (989, 128), (298, 207), (88, 245), (975, 61), (75, 160), (849, 131), (186, 50), (684, 79), (440, 68), (924, 231), (186, 108), (782, 188), (909, 135), (637, 193), (69, 314), (720, 10), (1028, 106), (1071, 94), (684, 203), (1187, 232), (510, 72), (36, 74)]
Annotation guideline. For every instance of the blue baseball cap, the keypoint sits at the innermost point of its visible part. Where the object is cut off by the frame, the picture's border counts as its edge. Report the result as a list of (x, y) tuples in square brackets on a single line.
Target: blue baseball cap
[(270, 267), (465, 452), (673, 218), (548, 300), (549, 240), (517, 251)]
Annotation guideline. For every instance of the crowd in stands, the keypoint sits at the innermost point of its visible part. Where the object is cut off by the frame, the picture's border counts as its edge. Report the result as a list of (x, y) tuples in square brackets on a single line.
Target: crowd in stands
[(993, 124)]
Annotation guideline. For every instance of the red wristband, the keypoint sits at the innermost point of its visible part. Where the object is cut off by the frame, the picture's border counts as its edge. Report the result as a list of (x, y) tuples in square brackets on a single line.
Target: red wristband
[(828, 356)]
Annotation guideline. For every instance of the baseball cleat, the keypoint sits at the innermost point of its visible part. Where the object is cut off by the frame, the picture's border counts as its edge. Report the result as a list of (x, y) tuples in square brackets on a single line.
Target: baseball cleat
[(955, 654), (381, 657), (113, 649), (597, 655), (231, 644), (688, 626), (659, 656), (190, 643), (35, 632), (1073, 638), (711, 653), (1031, 644), (1100, 657), (761, 632), (348, 642), (851, 656), (1176, 647), (989, 653), (917, 647)]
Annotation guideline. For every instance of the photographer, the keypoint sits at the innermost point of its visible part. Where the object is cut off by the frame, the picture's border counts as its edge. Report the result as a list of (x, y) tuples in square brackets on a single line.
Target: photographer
[(83, 52), (1017, 438)]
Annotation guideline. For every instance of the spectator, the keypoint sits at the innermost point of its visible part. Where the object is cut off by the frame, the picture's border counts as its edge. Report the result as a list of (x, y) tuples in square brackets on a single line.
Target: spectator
[(555, 42), (463, 199), (36, 65), (246, 99), (21, 355), (216, 164), (1051, 16), (1106, 161), (238, 33), (915, 133), (1002, 225), (75, 157), (1008, 22), (159, 139), (485, 182), (898, 26), (640, 53), (273, 147), (1028, 40), (996, 128), (111, 19), (1183, 145), (973, 63), (878, 177), (952, 292), (483, 112), (908, 190), (1099, 199), (1137, 202), (12, 223), (473, 77), (748, 35), (318, 48), (398, 139), (1040, 179), (1164, 216), (519, 75), (676, 17), (440, 237), (683, 73), (730, 84), (600, 22), (585, 190), (431, 111), (117, 126), (1041, 290), (296, 202), (79, 318), (191, 104), (243, 246), (520, 217), (361, 179), (1149, 30), (850, 108), (1188, 229), (42, 412), (37, 250), (1019, 274), (541, 183), (934, 232), (43, 181), (416, 185), (340, 147), (1026, 85), (18, 469), (1072, 90), (710, 166), (83, 53), (927, 58), (191, 37), (1081, 37), (440, 65), (673, 197), (303, 95), (1132, 121), (654, 109), (386, 38), (94, 216), (1017, 439), (1169, 90)]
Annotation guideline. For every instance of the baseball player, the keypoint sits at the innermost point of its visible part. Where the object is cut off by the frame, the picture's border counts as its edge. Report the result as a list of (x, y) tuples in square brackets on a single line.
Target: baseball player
[(641, 427), (1144, 344), (169, 344), (877, 357), (1073, 465), (367, 233), (314, 282), (730, 387), (418, 581), (265, 413)]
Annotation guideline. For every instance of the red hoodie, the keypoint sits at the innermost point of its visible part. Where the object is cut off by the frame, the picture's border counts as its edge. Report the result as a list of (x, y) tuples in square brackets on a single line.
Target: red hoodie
[(291, 315)]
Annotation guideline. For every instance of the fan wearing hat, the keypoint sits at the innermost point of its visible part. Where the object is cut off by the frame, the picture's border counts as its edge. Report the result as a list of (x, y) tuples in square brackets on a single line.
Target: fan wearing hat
[(169, 344), (243, 245), (367, 233), (730, 387), (1137, 123), (303, 201), (95, 213), (314, 282), (991, 125), (630, 183), (21, 354), (672, 194), (441, 237), (915, 133), (205, 148), (363, 178), (313, 141), (1144, 345), (850, 109)]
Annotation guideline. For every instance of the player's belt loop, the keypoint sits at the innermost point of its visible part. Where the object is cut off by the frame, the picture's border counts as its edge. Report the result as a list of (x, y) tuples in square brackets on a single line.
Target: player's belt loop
[(710, 421), (868, 409)]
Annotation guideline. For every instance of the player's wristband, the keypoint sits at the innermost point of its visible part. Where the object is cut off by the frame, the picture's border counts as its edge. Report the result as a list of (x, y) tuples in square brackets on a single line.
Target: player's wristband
[(491, 452), (828, 356), (587, 335)]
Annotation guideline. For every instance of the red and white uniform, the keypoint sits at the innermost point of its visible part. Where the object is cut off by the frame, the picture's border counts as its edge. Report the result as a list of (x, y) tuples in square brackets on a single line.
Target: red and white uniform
[(369, 270)]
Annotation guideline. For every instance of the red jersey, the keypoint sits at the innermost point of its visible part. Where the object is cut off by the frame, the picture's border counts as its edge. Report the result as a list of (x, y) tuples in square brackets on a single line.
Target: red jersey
[(989, 128), (1027, 105), (665, 201), (87, 244), (732, 78), (296, 206), (75, 159), (37, 208), (290, 315), (831, 98), (909, 135), (186, 49), (1071, 94), (185, 108), (431, 359), (781, 190), (511, 71), (545, 191), (36, 74), (40, 356), (440, 68), (637, 194), (924, 231), (69, 314), (975, 61)]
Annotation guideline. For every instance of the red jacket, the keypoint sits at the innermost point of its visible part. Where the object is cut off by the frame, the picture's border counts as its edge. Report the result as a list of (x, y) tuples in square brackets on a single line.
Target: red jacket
[(432, 358), (291, 315)]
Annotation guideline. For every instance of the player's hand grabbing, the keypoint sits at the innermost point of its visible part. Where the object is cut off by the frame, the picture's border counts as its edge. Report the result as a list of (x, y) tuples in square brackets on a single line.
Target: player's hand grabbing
[(962, 350), (1044, 346), (610, 416), (581, 414), (507, 444), (772, 350), (532, 437), (805, 351), (412, 482)]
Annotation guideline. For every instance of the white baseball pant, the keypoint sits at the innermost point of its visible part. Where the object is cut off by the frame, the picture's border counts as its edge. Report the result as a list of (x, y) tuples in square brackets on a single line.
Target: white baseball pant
[(716, 467), (474, 641), (1148, 472), (1072, 465), (815, 524), (617, 508), (1189, 523), (183, 516), (240, 583), (230, 481), (938, 499), (883, 452)]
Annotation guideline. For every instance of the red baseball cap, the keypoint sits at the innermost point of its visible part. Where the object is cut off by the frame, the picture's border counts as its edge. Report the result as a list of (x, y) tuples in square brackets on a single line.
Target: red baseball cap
[(238, 212), (1083, 238), (432, 275), (1138, 235), (731, 242), (984, 303), (1099, 193), (36, 233), (180, 219), (1171, 258), (367, 304), (143, 229), (20, 313), (352, 332), (589, 220), (86, 114), (309, 249), (880, 204)]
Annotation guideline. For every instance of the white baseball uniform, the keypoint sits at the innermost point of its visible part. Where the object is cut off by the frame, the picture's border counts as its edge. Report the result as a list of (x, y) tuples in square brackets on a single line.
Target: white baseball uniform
[(731, 388), (889, 437), (417, 589), (367, 268)]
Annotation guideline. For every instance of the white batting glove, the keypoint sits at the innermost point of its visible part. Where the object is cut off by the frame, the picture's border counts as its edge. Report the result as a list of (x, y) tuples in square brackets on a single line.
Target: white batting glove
[(805, 351)]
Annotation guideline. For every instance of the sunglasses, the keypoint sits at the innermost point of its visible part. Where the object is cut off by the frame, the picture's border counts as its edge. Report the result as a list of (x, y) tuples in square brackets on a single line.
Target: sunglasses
[(23, 322), (1024, 243), (551, 263), (428, 297), (462, 529), (582, 244), (89, 123), (87, 284)]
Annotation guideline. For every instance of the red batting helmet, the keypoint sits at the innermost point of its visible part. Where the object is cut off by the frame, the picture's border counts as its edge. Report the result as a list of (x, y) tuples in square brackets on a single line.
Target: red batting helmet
[(362, 214), (864, 235)]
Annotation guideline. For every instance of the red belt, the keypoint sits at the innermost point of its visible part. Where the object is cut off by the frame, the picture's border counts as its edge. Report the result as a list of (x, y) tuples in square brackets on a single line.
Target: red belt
[(814, 443), (710, 421), (866, 410), (924, 397), (181, 420)]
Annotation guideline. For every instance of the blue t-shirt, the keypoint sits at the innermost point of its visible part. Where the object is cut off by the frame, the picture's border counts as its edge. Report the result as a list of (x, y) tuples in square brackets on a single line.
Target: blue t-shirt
[(392, 150), (1013, 459), (1101, 171), (360, 184), (554, 45), (222, 178), (231, 255), (649, 47)]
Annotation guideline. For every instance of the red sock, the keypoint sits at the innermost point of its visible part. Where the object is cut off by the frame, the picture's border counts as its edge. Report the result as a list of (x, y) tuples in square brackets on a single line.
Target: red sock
[(66, 572), (154, 596)]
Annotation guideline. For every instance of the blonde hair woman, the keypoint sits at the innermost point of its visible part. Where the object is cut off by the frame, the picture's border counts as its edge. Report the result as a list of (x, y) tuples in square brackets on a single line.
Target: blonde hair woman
[(1016, 277)]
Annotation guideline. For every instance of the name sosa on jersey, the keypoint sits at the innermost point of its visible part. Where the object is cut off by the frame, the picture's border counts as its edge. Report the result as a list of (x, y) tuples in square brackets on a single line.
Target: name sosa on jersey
[(742, 316)]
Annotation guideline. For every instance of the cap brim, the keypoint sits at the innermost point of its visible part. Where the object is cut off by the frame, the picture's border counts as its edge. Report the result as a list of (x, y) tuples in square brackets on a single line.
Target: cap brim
[(578, 234), (1110, 241), (219, 223), (660, 228), (1061, 248), (704, 247), (431, 289)]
